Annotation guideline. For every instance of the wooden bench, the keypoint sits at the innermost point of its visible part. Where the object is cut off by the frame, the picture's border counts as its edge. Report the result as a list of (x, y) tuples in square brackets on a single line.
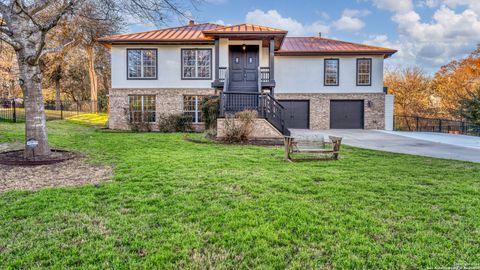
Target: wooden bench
[(323, 150)]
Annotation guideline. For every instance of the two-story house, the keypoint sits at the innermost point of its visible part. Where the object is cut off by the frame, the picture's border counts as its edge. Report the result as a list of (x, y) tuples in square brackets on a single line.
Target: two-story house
[(294, 82)]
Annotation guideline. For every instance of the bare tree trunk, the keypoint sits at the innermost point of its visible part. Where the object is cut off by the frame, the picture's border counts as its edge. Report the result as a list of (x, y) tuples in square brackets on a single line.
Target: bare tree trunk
[(93, 77), (35, 122)]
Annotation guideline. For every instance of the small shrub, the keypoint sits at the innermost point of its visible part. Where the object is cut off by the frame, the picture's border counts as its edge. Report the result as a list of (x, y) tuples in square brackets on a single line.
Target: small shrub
[(238, 127), (175, 123), (138, 126), (210, 108), (210, 134)]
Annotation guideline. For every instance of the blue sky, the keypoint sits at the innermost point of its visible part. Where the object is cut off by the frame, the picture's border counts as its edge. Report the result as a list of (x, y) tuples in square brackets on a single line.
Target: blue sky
[(427, 33)]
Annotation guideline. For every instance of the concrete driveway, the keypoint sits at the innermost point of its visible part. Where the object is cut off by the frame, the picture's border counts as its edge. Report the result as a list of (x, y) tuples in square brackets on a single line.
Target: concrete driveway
[(422, 144)]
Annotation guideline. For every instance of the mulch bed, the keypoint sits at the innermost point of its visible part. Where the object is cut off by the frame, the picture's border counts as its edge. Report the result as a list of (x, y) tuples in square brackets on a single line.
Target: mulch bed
[(73, 172), (17, 158)]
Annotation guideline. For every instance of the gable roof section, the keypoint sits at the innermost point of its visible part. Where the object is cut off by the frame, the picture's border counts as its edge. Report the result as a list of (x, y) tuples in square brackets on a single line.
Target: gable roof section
[(245, 29), (184, 34), (205, 33), (323, 46)]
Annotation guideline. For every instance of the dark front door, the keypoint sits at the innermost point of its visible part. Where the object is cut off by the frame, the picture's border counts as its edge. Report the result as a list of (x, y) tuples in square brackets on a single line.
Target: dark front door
[(297, 113), (346, 114), (244, 68)]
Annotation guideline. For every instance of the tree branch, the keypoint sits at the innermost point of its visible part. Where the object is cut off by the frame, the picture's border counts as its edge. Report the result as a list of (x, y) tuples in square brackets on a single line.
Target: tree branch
[(4, 37), (6, 30), (3, 8), (22, 9), (52, 22), (59, 48), (38, 6)]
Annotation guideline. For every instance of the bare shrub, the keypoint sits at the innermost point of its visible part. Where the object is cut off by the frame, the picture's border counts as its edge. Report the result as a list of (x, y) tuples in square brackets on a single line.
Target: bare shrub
[(238, 127), (175, 123)]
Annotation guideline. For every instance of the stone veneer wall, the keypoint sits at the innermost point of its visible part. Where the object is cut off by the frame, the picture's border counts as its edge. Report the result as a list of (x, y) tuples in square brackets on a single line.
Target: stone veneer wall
[(374, 116), (262, 130), (167, 101)]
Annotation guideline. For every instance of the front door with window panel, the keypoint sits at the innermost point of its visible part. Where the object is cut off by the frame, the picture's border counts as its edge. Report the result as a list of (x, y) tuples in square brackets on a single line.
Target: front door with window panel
[(244, 68)]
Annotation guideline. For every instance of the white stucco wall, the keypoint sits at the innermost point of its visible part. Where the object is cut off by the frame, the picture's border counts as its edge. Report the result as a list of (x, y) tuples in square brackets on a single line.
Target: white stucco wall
[(304, 74), (293, 74), (169, 68), (389, 112)]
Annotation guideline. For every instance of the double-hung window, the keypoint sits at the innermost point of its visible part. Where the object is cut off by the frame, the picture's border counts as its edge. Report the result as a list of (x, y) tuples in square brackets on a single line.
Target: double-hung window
[(192, 105), (364, 72), (142, 108), (141, 64), (331, 72), (197, 64)]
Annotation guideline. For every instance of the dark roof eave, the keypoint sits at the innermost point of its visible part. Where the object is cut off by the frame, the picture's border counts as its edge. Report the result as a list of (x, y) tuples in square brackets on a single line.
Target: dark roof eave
[(386, 54)]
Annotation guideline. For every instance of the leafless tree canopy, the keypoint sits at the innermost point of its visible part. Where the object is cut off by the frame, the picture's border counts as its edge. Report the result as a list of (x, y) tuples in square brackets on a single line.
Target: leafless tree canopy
[(38, 29)]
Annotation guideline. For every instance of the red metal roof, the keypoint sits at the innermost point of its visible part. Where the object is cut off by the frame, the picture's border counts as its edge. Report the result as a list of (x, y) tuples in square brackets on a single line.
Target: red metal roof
[(319, 46), (245, 29), (192, 33), (205, 32)]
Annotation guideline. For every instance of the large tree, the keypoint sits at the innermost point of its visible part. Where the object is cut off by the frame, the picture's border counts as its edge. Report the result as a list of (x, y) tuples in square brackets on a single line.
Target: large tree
[(25, 28), (25, 24), (94, 21), (456, 82), (412, 90)]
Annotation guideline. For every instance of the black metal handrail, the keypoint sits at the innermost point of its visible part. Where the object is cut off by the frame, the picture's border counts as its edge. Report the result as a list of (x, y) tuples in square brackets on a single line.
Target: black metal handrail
[(265, 104)]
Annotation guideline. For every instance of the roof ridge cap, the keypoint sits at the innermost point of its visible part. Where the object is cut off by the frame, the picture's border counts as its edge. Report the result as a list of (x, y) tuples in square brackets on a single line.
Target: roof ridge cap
[(233, 25)]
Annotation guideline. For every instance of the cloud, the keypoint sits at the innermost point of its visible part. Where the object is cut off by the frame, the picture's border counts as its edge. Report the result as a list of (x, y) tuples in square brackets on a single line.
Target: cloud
[(397, 6), (429, 3), (435, 41), (349, 24), (323, 14), (349, 21), (221, 22), (471, 4), (356, 12), (274, 19)]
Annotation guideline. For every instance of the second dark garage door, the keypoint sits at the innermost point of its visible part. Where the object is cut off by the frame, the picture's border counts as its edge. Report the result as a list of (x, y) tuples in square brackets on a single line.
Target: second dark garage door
[(346, 114), (297, 113)]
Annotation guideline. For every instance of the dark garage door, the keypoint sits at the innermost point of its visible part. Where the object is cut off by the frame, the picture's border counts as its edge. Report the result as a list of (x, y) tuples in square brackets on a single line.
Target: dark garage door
[(297, 113), (346, 114)]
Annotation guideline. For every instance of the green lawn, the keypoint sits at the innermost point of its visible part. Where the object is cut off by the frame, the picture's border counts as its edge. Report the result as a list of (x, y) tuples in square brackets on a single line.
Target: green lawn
[(176, 204)]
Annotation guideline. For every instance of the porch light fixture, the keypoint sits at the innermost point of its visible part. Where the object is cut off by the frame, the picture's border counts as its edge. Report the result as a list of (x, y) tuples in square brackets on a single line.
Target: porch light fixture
[(370, 104), (244, 47)]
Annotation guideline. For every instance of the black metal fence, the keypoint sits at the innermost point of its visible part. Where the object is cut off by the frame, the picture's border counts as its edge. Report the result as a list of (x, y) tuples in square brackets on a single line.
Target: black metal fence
[(423, 124), (14, 110)]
